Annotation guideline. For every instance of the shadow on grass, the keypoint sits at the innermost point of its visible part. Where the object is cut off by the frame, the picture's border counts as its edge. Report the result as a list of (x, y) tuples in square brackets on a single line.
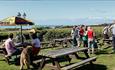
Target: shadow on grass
[(84, 67), (92, 67)]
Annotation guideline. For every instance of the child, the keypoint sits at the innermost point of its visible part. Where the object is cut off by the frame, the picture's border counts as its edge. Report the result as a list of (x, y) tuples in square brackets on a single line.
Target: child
[(85, 38), (95, 45)]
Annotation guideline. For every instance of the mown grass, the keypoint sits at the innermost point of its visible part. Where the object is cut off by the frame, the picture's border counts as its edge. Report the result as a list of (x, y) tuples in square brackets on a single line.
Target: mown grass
[(105, 61)]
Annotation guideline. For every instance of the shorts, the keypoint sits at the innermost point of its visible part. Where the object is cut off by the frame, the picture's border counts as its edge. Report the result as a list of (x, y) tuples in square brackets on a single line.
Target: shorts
[(35, 50)]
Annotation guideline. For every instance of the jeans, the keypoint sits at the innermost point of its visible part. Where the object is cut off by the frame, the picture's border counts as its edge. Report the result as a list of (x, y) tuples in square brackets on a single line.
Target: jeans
[(76, 41)]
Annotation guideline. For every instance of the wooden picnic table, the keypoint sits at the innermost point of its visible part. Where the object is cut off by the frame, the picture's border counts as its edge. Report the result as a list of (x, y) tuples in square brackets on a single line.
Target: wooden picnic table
[(63, 41), (54, 54)]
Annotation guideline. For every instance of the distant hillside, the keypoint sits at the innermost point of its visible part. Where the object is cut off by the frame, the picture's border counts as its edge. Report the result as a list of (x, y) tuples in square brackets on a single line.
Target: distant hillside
[(78, 21)]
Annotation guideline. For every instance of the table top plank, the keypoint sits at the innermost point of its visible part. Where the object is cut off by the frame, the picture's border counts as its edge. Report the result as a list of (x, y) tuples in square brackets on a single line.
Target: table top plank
[(64, 51), (62, 39)]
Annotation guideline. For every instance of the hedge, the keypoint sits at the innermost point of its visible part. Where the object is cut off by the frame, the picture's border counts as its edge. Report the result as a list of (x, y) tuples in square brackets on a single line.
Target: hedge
[(56, 33), (50, 34)]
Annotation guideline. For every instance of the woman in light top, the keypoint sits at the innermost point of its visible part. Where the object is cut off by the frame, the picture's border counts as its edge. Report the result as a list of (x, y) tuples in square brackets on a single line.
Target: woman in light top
[(35, 45)]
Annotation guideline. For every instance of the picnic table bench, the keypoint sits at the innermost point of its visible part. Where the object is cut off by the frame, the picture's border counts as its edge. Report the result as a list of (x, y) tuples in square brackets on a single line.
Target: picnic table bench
[(47, 44), (54, 54), (108, 40)]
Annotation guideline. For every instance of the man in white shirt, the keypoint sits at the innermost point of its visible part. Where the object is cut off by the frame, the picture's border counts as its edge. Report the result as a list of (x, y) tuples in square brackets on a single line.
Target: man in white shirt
[(112, 28), (75, 36), (105, 32)]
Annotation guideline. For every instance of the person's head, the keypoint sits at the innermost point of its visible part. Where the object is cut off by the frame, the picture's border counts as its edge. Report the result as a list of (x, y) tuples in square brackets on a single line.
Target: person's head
[(74, 27), (89, 28), (86, 28), (11, 35), (34, 36), (81, 26)]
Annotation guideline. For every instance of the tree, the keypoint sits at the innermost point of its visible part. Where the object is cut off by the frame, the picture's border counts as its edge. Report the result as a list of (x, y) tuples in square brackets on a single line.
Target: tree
[(24, 15), (19, 14)]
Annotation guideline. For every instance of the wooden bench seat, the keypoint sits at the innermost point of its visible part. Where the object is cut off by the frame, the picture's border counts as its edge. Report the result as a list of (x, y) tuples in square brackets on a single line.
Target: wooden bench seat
[(78, 63), (40, 60)]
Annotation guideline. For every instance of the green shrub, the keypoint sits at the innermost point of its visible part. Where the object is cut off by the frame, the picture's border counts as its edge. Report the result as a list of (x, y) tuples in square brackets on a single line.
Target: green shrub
[(98, 31), (41, 33), (3, 36)]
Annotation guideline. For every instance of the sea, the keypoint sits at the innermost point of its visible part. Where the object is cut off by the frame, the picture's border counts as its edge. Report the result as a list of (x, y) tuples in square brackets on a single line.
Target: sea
[(28, 27), (23, 27)]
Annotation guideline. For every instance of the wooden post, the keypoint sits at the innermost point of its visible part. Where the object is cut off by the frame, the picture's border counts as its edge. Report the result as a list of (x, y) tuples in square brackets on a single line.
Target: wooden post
[(22, 36)]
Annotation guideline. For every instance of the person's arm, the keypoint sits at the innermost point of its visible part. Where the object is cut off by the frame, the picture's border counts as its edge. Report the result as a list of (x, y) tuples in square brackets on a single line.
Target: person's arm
[(103, 30), (110, 28), (72, 33), (2, 46), (94, 35), (86, 32), (78, 32), (33, 44)]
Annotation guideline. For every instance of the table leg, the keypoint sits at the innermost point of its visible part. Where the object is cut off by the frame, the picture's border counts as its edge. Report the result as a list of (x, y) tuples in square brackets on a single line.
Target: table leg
[(86, 53), (70, 41), (53, 61), (42, 63), (68, 58), (76, 55), (87, 56), (57, 64)]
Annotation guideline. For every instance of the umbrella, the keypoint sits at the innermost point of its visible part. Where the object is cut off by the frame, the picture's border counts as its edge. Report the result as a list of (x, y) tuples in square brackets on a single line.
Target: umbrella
[(15, 20)]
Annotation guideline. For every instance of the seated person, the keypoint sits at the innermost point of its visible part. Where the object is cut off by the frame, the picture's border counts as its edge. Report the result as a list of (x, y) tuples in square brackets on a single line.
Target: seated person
[(10, 47), (35, 45)]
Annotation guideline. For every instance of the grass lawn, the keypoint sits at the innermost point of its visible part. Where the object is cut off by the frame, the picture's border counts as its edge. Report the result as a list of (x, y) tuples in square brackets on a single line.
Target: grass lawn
[(105, 61)]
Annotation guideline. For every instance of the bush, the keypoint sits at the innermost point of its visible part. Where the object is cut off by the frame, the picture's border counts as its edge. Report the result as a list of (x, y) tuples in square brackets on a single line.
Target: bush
[(98, 31), (40, 34), (3, 36)]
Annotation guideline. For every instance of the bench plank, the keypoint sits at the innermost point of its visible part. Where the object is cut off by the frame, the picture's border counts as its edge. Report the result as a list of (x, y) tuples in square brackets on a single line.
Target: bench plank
[(79, 63)]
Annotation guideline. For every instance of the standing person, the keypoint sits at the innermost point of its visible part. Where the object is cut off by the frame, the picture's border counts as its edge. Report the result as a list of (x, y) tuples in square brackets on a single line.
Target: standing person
[(81, 32), (105, 32), (85, 38), (90, 34), (75, 36), (112, 28)]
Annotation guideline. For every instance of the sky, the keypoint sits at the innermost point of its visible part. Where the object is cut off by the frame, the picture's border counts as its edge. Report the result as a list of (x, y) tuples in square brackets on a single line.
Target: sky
[(60, 12)]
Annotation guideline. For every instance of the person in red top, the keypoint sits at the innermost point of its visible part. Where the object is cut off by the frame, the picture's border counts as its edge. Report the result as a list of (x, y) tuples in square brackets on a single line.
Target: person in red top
[(81, 33), (90, 34)]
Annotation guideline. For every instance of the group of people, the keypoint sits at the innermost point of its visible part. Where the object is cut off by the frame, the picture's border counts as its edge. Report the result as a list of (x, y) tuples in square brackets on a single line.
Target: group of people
[(12, 50), (83, 35)]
